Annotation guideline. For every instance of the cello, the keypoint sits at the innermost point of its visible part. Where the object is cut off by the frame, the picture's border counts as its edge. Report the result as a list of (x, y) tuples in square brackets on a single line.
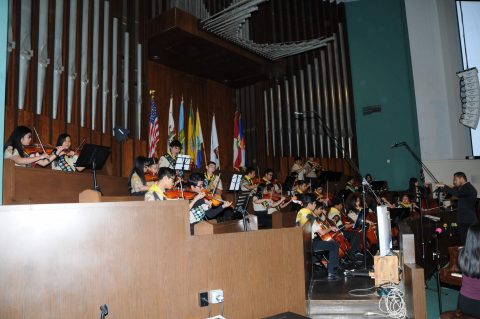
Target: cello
[(343, 244)]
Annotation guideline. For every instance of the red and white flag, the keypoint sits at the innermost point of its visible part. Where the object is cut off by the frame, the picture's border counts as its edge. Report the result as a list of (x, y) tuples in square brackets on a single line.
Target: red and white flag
[(153, 131)]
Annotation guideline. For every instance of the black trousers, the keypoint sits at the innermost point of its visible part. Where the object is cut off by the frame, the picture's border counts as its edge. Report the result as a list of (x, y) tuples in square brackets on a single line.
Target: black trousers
[(264, 219), (332, 248), (462, 232), (354, 239), (469, 306)]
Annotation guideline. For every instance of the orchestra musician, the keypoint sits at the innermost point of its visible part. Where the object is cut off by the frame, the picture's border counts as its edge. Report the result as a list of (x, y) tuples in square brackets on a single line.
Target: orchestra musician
[(200, 208), (415, 191), (247, 183), (137, 183), (311, 168), (300, 189), (355, 206), (212, 181), (369, 179), (320, 195), (168, 159), (469, 264), (267, 179), (335, 214), (466, 196), (298, 168), (264, 205), (165, 180), (66, 161), (351, 185), (14, 149)]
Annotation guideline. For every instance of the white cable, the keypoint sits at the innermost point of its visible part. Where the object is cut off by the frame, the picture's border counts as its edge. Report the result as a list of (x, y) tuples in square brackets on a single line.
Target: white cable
[(393, 304)]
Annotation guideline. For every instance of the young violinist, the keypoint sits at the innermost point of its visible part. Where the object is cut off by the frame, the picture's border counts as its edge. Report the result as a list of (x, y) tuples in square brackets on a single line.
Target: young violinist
[(212, 181), (415, 191), (300, 189), (201, 208), (247, 183), (263, 203), (321, 196), (137, 183), (16, 146), (311, 168), (267, 179), (298, 168), (335, 215), (319, 229), (355, 207), (66, 162), (165, 180), (168, 159)]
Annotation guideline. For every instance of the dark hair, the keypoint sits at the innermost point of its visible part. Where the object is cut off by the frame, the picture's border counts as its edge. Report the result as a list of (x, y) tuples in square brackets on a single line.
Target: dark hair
[(260, 188), (469, 256), (297, 158), (175, 143), (411, 184), (211, 163), (194, 178), (369, 175), (268, 171), (307, 198), (351, 201), (165, 171), (249, 170), (138, 167), (301, 182), (337, 201), (14, 140), (61, 138), (461, 175), (403, 195)]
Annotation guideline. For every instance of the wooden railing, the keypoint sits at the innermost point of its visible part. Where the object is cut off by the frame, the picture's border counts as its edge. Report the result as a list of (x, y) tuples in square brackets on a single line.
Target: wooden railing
[(23, 185)]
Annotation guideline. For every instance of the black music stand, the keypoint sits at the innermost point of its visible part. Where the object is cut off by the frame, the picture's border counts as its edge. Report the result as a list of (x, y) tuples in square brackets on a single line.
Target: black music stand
[(93, 157), (182, 164)]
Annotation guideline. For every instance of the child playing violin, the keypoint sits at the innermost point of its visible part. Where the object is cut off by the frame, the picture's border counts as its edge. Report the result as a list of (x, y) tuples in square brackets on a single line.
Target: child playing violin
[(66, 162), (166, 178), (262, 203), (137, 183), (200, 208), (16, 146)]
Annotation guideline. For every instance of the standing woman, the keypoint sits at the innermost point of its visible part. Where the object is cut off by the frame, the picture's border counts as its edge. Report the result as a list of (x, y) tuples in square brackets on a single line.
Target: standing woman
[(66, 162), (469, 264), (14, 149), (137, 183)]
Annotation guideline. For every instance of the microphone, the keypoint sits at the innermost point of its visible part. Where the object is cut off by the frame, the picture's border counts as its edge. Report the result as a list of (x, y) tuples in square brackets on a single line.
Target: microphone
[(298, 113), (398, 144)]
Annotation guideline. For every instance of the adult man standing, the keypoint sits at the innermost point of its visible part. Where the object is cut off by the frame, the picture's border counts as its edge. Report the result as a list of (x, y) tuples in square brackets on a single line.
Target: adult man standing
[(466, 196)]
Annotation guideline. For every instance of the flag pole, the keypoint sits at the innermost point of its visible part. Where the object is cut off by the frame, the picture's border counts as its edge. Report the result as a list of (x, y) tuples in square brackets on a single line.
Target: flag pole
[(204, 155)]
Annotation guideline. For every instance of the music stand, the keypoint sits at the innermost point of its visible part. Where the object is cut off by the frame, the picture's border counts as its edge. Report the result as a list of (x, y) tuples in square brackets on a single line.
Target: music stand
[(235, 182), (93, 156), (241, 205), (182, 164)]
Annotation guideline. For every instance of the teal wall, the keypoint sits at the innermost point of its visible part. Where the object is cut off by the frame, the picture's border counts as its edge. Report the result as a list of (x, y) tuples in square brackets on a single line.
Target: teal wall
[(3, 76), (382, 75)]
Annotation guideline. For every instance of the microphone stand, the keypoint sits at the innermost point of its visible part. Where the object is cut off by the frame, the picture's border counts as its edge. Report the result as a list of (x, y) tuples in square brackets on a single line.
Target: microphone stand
[(346, 155), (434, 179)]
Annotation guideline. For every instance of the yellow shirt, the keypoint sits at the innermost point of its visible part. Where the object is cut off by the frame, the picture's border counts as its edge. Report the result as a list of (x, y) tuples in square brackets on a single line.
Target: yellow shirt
[(302, 216), (149, 197)]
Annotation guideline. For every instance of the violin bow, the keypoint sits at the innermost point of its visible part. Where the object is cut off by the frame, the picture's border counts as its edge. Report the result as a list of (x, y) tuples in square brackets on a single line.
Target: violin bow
[(40, 141), (216, 185), (81, 145)]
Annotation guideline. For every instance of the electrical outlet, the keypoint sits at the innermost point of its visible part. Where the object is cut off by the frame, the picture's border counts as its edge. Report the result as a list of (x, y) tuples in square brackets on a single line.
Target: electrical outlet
[(216, 296), (203, 299)]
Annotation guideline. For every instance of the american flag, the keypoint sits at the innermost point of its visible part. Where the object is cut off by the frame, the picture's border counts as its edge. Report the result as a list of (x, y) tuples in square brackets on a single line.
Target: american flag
[(153, 132)]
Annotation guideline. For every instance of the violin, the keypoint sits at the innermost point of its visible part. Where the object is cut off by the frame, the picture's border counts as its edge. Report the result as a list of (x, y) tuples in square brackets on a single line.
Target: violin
[(176, 193), (150, 177), (37, 148)]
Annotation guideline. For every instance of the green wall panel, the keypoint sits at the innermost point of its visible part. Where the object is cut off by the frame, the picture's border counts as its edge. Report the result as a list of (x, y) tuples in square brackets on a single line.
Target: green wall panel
[(381, 75)]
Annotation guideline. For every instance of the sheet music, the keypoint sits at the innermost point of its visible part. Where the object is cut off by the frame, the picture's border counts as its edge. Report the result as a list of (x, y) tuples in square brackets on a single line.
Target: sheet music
[(183, 162), (235, 183)]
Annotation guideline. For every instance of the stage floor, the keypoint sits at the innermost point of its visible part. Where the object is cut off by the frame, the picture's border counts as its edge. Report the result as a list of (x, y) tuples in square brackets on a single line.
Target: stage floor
[(331, 299)]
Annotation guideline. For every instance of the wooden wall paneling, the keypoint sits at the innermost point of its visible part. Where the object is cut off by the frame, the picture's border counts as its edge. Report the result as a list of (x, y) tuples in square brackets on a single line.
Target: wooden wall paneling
[(140, 148), (127, 157), (143, 282), (96, 137), (25, 118), (72, 129)]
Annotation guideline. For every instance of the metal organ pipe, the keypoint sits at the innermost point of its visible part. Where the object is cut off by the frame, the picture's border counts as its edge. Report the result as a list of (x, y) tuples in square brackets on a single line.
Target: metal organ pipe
[(72, 73), (57, 56), (105, 91), (43, 60), (84, 60)]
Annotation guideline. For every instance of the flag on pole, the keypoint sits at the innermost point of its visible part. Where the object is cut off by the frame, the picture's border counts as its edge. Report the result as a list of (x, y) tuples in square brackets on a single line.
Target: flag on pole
[(242, 141), (191, 135), (181, 132), (198, 141), (214, 156), (153, 131), (171, 124), (236, 151)]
